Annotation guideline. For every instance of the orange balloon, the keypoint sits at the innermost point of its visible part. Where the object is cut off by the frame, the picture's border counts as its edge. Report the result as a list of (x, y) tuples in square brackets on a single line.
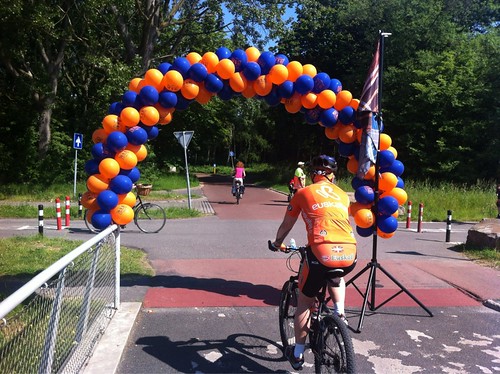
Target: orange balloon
[(225, 68), (370, 175), (99, 136), (354, 104), (385, 142), (295, 70), (122, 214), (90, 212), (359, 135), (347, 133), (238, 82), (154, 77), (190, 89), (110, 123), (278, 74), (310, 70), (352, 165), (140, 151), (126, 159), (262, 86), (88, 200), (344, 97), (332, 132), (252, 54), (210, 60), (385, 235), (394, 151), (109, 168), (204, 95), (398, 193), (364, 218), (149, 115), (97, 183), (309, 100), (172, 80), (130, 117), (193, 57), (387, 181), (249, 91), (326, 99), (134, 85), (293, 104), (354, 207), (127, 199)]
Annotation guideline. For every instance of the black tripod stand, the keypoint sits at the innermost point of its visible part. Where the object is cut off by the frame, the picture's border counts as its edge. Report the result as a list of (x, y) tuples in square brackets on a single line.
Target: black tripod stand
[(370, 104)]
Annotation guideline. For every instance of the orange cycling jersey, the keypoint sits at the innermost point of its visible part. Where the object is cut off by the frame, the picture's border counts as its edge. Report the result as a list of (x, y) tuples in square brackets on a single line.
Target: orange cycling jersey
[(325, 210)]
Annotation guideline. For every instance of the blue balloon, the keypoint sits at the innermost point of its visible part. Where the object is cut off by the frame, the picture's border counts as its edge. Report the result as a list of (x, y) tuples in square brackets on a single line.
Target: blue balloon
[(321, 82), (285, 89), (401, 183), (357, 182), (120, 184), (385, 158), (197, 72), (134, 174), (329, 117), (182, 102), (101, 219), (346, 115), (168, 99), (92, 167), (223, 52), (304, 84), (136, 135), (213, 83), (335, 86), (152, 131), (139, 102), (107, 200), (387, 205), (98, 151), (364, 195), (239, 59), (397, 168), (387, 224), (346, 149), (281, 59), (273, 98), (128, 98), (116, 141), (149, 95), (266, 61), (164, 67), (364, 232), (182, 65), (226, 93), (312, 116), (116, 108), (251, 71)]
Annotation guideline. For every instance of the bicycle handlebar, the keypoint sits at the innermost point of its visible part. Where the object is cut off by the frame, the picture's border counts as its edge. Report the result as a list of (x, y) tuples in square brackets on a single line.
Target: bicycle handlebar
[(283, 248)]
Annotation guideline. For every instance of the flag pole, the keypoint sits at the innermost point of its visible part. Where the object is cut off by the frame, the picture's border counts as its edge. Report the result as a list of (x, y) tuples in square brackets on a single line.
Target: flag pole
[(367, 105)]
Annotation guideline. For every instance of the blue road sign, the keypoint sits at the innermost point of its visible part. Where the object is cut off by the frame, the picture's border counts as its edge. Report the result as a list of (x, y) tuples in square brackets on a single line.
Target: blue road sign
[(77, 141)]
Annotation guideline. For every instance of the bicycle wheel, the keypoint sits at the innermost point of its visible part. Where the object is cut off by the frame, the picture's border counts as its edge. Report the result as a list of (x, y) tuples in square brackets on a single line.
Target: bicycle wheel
[(334, 350), (287, 308), (238, 196), (150, 217), (89, 224)]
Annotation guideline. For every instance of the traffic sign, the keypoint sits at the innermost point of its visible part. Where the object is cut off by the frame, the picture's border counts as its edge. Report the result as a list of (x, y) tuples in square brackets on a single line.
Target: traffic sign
[(184, 137), (77, 141)]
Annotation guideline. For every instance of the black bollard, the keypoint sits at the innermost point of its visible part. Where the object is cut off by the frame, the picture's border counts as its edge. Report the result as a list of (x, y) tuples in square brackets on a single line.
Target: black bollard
[(40, 219), (80, 208), (448, 226)]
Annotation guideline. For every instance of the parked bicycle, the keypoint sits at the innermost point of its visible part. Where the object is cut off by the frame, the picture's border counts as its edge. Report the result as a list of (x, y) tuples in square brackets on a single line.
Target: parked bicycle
[(148, 217), (329, 337)]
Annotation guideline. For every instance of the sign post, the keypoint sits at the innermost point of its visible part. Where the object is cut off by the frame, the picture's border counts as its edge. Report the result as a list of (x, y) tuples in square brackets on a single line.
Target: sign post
[(77, 144), (184, 137)]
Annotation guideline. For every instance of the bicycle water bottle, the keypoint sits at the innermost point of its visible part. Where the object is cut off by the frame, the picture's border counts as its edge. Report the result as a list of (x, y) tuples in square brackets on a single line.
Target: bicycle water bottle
[(293, 245)]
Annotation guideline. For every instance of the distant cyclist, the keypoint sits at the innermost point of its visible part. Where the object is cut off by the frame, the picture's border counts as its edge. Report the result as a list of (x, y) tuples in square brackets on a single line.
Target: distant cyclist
[(238, 175), (331, 251), (299, 177)]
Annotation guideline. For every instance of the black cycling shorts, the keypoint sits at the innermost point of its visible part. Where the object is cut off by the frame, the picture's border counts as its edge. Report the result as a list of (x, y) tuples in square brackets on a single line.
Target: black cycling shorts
[(313, 274)]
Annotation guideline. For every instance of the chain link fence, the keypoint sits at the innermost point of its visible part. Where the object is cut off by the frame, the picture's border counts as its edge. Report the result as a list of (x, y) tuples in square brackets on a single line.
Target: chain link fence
[(52, 324)]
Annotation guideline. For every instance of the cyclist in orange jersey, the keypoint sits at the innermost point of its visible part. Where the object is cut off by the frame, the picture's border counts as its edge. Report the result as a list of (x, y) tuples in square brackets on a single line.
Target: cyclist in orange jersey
[(331, 252)]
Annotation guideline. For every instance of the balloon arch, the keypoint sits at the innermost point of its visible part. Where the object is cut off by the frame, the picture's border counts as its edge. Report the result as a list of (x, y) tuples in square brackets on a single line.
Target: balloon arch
[(151, 101)]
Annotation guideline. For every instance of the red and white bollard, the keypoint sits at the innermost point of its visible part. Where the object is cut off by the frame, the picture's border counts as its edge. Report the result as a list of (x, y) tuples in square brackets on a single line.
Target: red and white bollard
[(68, 206), (58, 213), (420, 216), (408, 217)]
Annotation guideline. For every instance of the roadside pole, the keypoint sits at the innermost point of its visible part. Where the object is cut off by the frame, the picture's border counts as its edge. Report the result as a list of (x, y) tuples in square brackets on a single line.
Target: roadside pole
[(77, 144), (184, 137)]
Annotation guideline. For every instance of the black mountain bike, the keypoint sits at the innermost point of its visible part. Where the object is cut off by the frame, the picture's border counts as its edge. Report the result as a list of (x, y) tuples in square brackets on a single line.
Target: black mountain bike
[(329, 337), (148, 217), (238, 191)]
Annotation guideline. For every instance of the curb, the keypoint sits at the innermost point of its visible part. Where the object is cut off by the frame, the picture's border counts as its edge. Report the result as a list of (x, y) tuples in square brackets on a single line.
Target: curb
[(493, 304)]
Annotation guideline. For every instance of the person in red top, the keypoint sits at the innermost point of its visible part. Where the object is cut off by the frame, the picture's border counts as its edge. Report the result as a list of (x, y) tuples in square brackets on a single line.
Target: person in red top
[(331, 252)]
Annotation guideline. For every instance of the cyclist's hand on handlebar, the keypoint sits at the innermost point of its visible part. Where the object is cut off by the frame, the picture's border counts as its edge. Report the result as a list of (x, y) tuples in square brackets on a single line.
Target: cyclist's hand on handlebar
[(273, 247)]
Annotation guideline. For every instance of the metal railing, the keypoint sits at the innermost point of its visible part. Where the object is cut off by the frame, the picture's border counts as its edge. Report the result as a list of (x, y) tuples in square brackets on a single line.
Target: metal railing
[(53, 322)]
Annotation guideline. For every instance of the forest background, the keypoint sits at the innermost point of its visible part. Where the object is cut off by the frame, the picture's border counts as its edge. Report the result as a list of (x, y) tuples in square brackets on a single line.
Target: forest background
[(63, 63)]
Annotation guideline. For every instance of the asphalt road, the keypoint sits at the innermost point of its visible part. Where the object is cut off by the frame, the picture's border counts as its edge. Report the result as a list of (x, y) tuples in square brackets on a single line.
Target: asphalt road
[(212, 306)]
